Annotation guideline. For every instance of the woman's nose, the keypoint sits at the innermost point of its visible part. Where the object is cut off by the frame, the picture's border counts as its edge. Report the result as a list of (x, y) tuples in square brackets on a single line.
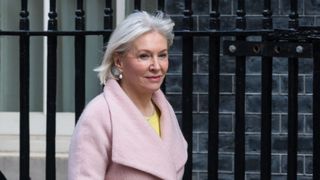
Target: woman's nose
[(155, 65)]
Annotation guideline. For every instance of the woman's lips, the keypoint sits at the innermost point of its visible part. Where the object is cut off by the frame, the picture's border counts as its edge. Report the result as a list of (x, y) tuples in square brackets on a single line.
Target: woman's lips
[(154, 78)]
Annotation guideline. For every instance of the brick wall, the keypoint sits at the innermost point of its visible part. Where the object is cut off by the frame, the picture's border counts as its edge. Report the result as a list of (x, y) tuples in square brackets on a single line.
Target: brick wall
[(309, 15)]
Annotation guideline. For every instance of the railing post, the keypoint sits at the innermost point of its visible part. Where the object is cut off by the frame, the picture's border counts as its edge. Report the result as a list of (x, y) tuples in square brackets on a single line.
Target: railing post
[(24, 93), (266, 100), (214, 88), (107, 24), (51, 94), (187, 85), (316, 110), (3, 177), (293, 101), (161, 5), (137, 5), (239, 165), (80, 53)]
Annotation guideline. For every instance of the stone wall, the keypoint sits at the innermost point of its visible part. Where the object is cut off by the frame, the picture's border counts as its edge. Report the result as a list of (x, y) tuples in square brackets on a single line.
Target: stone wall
[(309, 15)]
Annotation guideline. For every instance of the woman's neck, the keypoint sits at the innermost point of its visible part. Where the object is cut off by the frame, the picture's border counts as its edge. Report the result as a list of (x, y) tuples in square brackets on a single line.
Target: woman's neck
[(142, 101)]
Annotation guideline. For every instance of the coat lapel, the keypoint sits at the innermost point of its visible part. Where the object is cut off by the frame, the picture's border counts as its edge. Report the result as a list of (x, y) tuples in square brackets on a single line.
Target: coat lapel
[(172, 138), (134, 142)]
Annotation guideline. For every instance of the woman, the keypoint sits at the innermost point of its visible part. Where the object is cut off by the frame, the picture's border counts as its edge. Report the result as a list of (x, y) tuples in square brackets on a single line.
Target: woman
[(130, 130)]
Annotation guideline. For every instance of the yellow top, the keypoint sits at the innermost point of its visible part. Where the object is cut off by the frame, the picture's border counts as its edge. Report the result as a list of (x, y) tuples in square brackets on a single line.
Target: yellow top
[(154, 122)]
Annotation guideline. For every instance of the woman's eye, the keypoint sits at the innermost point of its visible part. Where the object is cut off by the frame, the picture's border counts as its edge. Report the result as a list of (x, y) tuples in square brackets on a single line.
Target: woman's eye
[(163, 56), (144, 56)]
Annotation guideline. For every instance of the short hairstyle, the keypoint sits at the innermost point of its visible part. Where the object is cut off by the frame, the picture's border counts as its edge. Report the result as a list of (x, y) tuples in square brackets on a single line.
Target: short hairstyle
[(132, 27)]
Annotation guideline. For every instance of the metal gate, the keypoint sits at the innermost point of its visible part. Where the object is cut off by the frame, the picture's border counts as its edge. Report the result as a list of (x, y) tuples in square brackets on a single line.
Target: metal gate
[(294, 42)]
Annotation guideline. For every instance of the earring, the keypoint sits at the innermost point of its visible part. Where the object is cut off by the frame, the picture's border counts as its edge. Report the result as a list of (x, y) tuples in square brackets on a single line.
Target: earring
[(116, 73)]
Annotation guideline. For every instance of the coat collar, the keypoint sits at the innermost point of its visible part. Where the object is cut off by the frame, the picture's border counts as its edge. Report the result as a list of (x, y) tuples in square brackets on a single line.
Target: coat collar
[(134, 142)]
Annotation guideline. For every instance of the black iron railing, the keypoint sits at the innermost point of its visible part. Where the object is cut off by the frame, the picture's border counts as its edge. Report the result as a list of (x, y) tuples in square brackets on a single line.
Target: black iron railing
[(187, 83), (24, 92), (294, 42)]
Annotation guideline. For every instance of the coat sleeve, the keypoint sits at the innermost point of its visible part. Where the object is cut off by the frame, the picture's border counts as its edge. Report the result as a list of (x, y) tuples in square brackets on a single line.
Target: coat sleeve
[(90, 144)]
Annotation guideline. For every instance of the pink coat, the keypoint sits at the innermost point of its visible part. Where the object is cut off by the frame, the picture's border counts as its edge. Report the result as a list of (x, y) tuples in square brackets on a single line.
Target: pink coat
[(112, 141)]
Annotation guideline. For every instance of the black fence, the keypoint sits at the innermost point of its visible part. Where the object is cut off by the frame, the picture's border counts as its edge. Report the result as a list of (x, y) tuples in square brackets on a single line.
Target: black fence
[(294, 42)]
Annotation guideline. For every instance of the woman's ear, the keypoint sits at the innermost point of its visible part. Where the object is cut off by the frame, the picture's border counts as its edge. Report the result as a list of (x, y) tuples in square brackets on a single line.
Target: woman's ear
[(117, 60)]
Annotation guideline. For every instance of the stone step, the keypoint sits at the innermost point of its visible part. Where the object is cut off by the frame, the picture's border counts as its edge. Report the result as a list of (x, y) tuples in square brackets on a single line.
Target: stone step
[(10, 143), (9, 146), (9, 166)]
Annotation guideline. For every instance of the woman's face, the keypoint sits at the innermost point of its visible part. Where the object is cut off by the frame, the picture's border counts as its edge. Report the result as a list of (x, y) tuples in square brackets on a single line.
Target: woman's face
[(144, 66)]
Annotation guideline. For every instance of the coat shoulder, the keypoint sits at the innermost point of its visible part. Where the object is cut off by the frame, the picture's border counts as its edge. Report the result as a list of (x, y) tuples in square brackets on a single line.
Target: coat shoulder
[(97, 106), (96, 112)]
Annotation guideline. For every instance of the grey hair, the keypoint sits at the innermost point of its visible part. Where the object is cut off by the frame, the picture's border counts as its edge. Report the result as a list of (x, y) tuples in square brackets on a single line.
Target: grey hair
[(135, 25)]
